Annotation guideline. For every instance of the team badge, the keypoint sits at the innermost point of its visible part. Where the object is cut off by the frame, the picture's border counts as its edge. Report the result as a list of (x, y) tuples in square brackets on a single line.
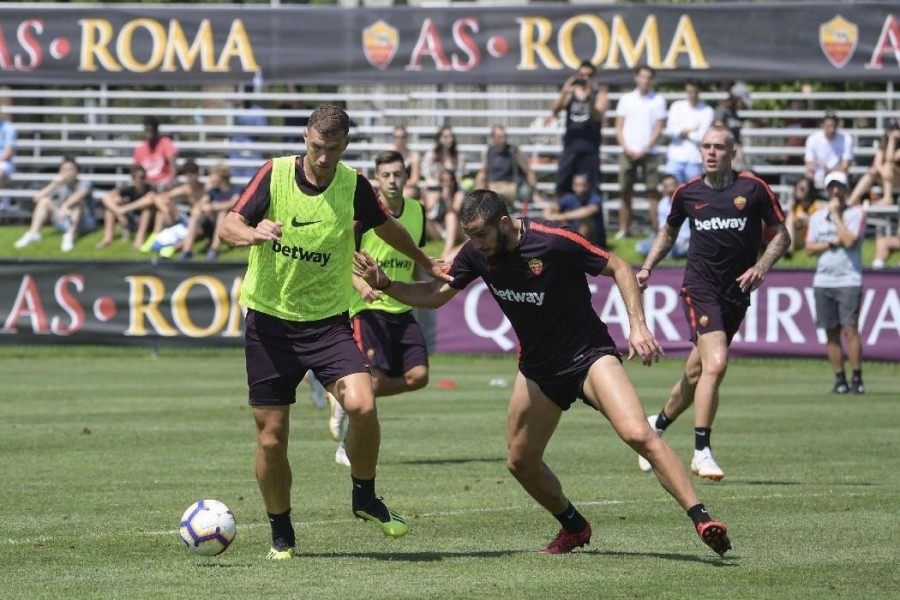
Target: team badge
[(740, 203), (380, 43), (536, 265), (704, 320), (838, 38)]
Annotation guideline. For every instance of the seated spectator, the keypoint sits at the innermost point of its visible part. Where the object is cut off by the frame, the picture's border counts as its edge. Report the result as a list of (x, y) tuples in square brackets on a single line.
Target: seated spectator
[(582, 208), (67, 203), (8, 140), (885, 169), (441, 210), (828, 150), (885, 245), (728, 115), (411, 159), (668, 185), (504, 169), (176, 203), (157, 155), (252, 115), (798, 122), (803, 204), (207, 215), (444, 156), (137, 222)]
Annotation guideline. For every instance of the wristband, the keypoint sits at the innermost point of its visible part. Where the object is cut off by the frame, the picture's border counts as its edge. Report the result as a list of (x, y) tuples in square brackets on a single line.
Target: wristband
[(381, 289)]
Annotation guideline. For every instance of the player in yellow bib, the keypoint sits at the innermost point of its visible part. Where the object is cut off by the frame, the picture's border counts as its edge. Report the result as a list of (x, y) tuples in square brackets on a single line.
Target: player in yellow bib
[(386, 329), (298, 214)]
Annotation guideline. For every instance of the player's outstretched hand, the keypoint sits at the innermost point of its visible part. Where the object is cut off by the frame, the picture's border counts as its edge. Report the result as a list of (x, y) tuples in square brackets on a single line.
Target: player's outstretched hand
[(366, 268), (642, 343), (440, 269), (751, 279), (643, 276), (266, 231)]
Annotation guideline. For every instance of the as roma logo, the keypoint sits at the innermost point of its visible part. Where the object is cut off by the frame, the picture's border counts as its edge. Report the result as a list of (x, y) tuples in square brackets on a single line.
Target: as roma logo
[(740, 203), (704, 320), (838, 38), (536, 265), (380, 43)]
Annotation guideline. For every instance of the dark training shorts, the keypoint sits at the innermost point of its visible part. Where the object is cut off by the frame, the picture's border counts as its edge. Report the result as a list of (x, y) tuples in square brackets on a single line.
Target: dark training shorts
[(393, 343), (706, 313), (567, 385), (279, 353)]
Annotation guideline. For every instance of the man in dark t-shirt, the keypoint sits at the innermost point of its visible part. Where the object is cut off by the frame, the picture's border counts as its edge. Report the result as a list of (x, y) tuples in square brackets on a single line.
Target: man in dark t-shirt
[(536, 272), (726, 211)]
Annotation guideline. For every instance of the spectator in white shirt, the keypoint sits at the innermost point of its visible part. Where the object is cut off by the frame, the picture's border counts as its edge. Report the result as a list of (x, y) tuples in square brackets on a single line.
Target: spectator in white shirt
[(688, 121), (828, 150), (640, 116)]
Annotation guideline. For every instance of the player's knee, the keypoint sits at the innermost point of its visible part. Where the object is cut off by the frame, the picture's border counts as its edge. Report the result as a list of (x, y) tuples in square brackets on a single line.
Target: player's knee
[(638, 435), (716, 364), (519, 467), (272, 443), (416, 379)]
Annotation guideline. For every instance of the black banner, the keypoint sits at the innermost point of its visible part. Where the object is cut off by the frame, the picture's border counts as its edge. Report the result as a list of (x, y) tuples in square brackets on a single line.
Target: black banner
[(147, 44)]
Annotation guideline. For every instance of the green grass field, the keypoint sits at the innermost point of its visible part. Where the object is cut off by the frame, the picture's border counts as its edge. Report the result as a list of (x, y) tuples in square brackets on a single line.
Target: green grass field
[(104, 448)]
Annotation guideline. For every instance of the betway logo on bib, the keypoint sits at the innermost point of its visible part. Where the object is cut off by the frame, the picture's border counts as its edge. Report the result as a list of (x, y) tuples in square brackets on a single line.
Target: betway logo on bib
[(298, 253), (718, 223), (395, 263), (536, 298)]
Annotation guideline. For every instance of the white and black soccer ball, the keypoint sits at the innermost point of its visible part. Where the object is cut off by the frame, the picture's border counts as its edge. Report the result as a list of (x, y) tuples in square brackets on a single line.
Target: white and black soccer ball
[(208, 527)]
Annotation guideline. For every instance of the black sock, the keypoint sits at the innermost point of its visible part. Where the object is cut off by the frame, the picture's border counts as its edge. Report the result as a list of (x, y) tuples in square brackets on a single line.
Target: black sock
[(662, 420), (571, 520), (282, 530), (363, 492), (698, 514), (839, 377), (702, 437), (857, 375)]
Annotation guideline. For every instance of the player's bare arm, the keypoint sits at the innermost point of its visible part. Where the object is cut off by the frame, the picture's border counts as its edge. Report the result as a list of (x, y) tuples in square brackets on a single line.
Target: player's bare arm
[(662, 243), (753, 277), (640, 339), (365, 291), (236, 230), (392, 232), (424, 294)]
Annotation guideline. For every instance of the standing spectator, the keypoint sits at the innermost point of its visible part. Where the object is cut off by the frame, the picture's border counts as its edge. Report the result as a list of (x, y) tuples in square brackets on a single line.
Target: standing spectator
[(584, 104), (411, 158), (566, 354), (252, 114), (804, 204), (668, 184), (504, 168), (8, 140), (157, 155), (885, 169), (687, 122), (298, 216), (828, 150), (728, 114), (582, 209), (835, 236), (640, 116), (384, 328), (723, 268), (67, 202), (130, 222)]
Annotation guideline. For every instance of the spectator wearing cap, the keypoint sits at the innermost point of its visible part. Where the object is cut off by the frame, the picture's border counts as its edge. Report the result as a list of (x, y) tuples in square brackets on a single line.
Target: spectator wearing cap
[(828, 150), (728, 115), (835, 237)]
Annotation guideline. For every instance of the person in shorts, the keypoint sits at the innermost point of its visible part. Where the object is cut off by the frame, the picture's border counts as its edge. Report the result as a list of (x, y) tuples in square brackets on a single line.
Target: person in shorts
[(726, 210), (835, 237), (297, 214), (536, 272)]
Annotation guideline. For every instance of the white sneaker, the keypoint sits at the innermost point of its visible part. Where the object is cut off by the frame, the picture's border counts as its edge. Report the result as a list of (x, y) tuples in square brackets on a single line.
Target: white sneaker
[(644, 464), (704, 465), (340, 456), (337, 419), (27, 238), (68, 242), (318, 392)]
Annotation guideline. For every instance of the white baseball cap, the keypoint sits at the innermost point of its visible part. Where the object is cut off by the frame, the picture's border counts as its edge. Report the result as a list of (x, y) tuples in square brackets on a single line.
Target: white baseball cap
[(836, 177)]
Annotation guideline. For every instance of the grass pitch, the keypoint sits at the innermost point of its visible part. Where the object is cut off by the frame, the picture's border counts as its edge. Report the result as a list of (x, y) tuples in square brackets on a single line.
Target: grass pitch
[(103, 449)]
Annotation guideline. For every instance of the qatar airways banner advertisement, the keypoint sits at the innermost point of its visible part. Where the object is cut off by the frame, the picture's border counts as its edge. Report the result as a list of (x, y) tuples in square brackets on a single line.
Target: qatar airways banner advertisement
[(466, 43), (196, 304), (779, 322)]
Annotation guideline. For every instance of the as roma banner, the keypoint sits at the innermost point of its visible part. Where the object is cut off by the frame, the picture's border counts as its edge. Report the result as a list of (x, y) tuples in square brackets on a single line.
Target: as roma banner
[(531, 44), (196, 304)]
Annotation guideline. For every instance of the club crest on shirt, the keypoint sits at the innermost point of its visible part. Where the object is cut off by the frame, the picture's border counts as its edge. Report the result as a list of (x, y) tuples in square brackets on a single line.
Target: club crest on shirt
[(740, 203), (536, 265), (704, 320)]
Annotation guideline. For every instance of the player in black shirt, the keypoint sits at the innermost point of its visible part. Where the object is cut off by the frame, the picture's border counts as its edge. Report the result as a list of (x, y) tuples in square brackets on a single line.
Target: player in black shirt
[(726, 210), (535, 271)]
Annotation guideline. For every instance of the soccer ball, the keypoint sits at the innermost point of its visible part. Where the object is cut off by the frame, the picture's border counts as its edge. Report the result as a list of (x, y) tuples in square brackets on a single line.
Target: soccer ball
[(208, 527)]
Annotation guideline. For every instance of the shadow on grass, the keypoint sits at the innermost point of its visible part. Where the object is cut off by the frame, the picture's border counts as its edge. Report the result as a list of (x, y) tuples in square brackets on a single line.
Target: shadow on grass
[(765, 482), (709, 560), (447, 461), (411, 556)]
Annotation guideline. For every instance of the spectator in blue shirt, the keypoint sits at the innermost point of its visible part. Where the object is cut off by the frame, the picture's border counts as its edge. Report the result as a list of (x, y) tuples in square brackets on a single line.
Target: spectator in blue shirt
[(582, 208), (7, 147)]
